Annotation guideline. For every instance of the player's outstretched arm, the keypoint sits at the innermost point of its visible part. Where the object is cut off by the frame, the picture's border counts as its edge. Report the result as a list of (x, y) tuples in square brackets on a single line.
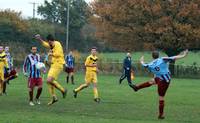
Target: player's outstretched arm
[(39, 38), (142, 60), (182, 55), (143, 63)]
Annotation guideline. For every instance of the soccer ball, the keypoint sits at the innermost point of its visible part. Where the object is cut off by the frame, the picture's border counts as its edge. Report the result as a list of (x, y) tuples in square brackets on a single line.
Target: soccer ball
[(40, 65)]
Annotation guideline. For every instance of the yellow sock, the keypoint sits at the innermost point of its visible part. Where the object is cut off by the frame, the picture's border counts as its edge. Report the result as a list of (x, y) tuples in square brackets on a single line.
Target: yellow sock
[(58, 86), (96, 95), (81, 87), (51, 90)]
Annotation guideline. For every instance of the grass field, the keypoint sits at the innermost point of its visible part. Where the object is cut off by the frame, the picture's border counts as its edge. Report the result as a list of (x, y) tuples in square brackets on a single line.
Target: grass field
[(119, 103)]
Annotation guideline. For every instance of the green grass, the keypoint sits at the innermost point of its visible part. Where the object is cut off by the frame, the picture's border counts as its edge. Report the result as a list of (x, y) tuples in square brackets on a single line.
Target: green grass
[(119, 103), (192, 58)]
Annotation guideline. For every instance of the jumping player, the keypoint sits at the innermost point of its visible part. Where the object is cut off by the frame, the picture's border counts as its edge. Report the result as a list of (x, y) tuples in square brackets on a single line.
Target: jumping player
[(57, 63)]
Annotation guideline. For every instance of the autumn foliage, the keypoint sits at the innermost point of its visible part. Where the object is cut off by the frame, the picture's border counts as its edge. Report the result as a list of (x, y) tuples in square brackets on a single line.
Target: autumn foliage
[(168, 25)]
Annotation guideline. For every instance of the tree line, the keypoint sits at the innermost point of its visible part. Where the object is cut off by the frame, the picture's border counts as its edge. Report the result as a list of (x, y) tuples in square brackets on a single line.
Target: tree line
[(15, 28), (111, 25)]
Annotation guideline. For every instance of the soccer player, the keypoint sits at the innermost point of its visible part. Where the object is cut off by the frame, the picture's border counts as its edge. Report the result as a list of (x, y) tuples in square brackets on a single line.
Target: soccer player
[(159, 67), (34, 75), (3, 65), (10, 73), (69, 67), (127, 71), (57, 62), (91, 75)]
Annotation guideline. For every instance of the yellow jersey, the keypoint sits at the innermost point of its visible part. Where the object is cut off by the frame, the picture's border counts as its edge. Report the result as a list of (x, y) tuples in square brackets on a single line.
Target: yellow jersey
[(57, 53), (90, 61), (3, 61)]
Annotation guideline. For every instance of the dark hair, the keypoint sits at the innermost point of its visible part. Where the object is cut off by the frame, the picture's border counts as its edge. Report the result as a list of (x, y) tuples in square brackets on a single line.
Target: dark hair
[(50, 37), (33, 46), (95, 48), (155, 54)]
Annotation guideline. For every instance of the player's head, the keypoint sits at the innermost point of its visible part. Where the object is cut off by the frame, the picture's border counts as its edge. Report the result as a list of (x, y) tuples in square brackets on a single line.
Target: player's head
[(70, 52), (94, 51), (155, 54), (128, 54), (1, 49), (7, 49), (33, 50), (50, 40)]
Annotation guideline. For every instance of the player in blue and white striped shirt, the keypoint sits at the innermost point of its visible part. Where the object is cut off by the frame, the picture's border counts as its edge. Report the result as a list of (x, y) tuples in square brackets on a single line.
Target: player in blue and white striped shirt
[(34, 75), (160, 68)]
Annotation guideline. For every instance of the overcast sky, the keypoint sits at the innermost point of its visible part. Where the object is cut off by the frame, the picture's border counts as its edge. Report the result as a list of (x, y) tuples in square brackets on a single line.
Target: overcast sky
[(24, 6)]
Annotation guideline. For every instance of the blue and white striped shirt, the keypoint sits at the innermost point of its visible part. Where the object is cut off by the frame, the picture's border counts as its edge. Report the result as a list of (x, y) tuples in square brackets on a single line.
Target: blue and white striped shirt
[(9, 59), (30, 66)]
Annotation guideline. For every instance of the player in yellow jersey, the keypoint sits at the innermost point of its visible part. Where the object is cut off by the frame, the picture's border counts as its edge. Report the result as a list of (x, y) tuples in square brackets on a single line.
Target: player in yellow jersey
[(57, 62), (91, 75), (3, 64)]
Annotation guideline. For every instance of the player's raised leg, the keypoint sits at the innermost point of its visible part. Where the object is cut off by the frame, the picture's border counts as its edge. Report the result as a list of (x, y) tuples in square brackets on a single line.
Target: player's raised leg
[(54, 84), (60, 88), (144, 85), (51, 89), (81, 87), (53, 74)]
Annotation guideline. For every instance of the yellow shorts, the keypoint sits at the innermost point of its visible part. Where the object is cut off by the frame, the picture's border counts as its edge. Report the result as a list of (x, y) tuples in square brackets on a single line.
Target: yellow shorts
[(54, 72), (91, 77), (2, 76)]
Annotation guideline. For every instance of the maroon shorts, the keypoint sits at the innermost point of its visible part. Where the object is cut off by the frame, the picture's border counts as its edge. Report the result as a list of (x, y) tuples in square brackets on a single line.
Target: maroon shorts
[(12, 73), (69, 70), (32, 82), (162, 86)]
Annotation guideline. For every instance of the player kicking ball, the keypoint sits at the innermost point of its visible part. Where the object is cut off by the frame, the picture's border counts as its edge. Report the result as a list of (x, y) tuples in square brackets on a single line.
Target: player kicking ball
[(91, 75), (57, 63), (34, 75), (160, 68)]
